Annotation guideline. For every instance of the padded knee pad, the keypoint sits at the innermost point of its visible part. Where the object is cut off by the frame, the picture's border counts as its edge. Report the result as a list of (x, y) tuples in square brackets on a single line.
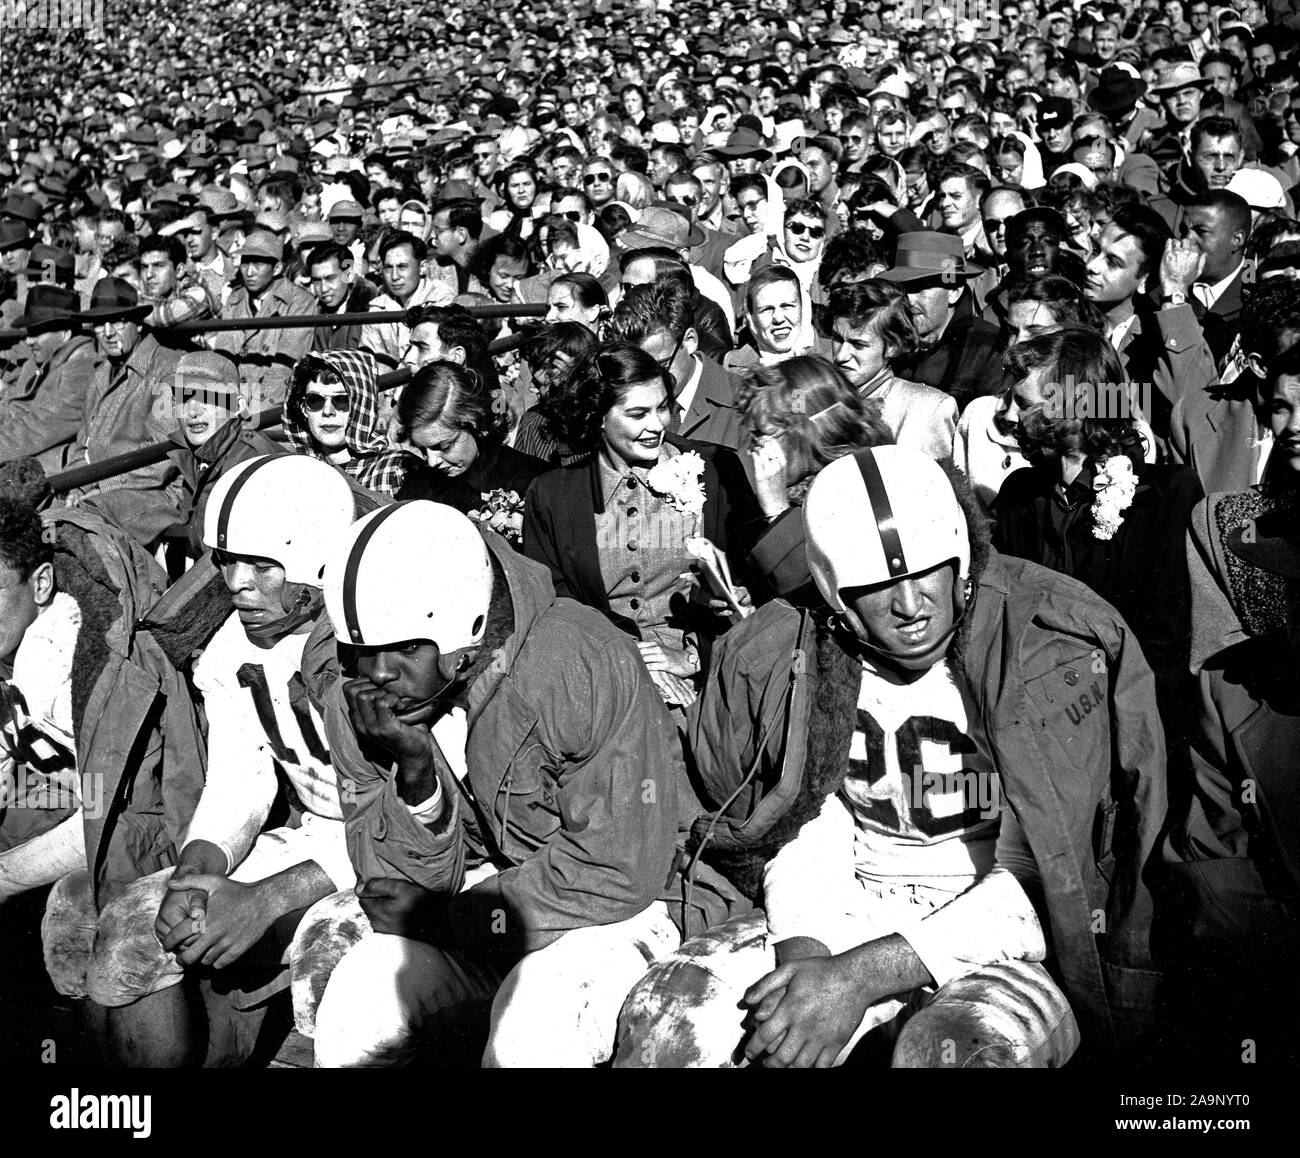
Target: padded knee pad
[(1009, 1016), (129, 962), (327, 931), (68, 933), (685, 1013)]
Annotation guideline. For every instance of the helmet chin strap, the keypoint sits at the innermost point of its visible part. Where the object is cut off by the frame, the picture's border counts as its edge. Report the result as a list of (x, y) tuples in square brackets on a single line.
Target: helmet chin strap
[(462, 665), (300, 602), (927, 660)]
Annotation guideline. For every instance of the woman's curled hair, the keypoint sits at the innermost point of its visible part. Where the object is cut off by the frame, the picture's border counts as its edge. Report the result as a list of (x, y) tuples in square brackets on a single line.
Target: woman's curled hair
[(812, 408), (1088, 407), (596, 384)]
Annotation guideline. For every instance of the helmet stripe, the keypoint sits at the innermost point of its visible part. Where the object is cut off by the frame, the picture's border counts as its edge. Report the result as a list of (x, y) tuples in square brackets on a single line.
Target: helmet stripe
[(223, 518), (890, 543), (350, 618)]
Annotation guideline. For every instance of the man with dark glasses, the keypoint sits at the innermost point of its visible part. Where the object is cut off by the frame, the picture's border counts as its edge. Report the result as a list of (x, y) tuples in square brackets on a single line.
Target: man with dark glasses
[(598, 180)]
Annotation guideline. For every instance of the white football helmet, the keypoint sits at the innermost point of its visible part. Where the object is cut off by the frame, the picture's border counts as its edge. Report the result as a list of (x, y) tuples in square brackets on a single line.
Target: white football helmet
[(413, 570), (286, 507), (879, 515)]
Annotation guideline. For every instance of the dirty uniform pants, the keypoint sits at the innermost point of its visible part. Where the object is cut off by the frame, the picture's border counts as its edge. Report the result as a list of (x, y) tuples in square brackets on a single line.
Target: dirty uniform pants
[(686, 1012), (390, 999)]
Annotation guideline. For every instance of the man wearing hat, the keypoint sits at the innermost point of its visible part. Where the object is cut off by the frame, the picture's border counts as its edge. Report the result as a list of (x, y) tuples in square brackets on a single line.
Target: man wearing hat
[(959, 353), (345, 227), (15, 250), (266, 357), (42, 415), (212, 434), (1180, 87), (743, 152), (128, 406), (1116, 96), (1055, 115)]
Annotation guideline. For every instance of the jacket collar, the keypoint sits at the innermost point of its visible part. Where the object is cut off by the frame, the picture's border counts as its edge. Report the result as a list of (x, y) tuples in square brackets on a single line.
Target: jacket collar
[(532, 594)]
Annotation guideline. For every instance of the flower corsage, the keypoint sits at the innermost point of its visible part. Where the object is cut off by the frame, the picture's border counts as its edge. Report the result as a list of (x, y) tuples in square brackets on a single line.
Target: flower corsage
[(1115, 484), (680, 480), (503, 512)]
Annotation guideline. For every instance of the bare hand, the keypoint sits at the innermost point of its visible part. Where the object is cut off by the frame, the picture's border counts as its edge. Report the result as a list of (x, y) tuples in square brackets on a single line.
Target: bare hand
[(237, 915), (822, 1003), (401, 908), (374, 716), (1181, 265)]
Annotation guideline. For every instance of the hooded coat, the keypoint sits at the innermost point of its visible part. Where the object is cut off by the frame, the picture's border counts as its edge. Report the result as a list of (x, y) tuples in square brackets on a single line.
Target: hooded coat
[(135, 725), (372, 461), (1070, 725), (568, 744)]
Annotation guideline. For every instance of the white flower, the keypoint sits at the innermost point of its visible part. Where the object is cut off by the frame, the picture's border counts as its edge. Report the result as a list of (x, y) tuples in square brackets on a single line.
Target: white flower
[(1115, 484), (678, 479)]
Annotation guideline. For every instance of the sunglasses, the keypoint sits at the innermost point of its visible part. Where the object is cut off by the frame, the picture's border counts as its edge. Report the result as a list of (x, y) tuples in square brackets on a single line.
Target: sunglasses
[(574, 215), (592, 178), (798, 228), (315, 403)]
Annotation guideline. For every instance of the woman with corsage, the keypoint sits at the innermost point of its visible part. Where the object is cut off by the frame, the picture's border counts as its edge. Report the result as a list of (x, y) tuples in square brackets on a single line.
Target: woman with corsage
[(622, 528), (449, 419), (1089, 506)]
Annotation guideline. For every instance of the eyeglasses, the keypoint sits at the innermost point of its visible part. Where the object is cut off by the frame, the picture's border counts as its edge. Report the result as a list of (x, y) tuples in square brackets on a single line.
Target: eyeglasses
[(798, 228), (315, 403), (592, 178), (574, 215)]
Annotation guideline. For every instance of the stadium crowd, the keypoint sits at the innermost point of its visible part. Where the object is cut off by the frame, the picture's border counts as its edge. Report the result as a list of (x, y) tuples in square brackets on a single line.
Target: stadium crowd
[(769, 534)]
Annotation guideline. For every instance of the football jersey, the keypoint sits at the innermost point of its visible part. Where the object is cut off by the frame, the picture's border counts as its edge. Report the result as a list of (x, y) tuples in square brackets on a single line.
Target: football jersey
[(925, 805), (263, 732)]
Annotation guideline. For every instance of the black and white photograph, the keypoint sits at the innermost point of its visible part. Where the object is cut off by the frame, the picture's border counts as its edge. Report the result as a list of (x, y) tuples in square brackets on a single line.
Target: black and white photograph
[(649, 534)]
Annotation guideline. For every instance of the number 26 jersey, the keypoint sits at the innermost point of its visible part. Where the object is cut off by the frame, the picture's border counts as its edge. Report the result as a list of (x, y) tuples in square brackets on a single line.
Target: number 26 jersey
[(924, 804)]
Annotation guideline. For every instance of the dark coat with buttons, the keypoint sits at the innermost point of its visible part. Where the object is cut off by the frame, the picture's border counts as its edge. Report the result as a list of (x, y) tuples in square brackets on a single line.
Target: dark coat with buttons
[(560, 523)]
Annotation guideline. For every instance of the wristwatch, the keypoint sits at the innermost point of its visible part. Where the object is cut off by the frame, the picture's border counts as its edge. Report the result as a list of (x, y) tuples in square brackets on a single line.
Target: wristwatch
[(1177, 298)]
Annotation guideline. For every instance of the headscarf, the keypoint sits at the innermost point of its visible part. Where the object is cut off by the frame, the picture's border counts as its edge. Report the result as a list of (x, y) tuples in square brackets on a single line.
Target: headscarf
[(372, 462), (1031, 176)]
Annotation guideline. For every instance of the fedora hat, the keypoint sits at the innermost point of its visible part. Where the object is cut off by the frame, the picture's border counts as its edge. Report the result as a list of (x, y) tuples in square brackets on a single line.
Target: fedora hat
[(744, 142), (925, 255), (661, 227), (14, 235), (114, 299), (1179, 74), (220, 203), (48, 307), (1119, 87), (22, 207), (51, 264)]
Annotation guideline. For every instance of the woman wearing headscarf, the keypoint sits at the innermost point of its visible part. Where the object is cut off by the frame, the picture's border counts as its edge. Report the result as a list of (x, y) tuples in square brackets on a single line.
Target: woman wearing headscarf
[(332, 413)]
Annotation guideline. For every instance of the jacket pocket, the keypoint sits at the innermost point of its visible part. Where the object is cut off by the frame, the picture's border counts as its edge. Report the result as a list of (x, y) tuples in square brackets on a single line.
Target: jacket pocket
[(1104, 842), (527, 805), (1072, 707)]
